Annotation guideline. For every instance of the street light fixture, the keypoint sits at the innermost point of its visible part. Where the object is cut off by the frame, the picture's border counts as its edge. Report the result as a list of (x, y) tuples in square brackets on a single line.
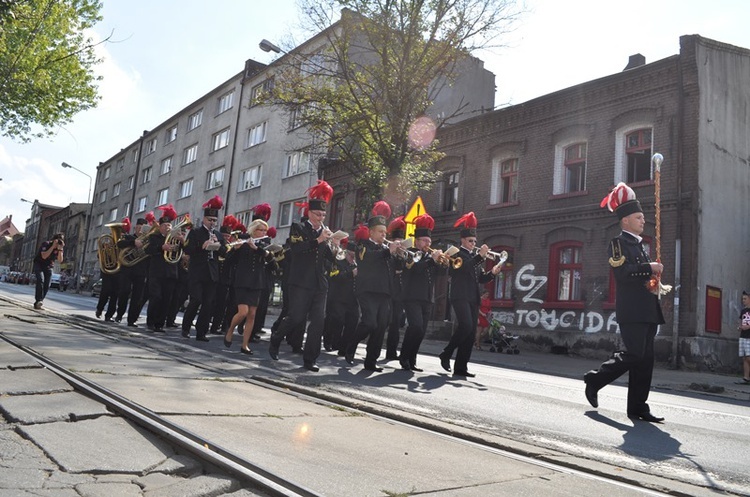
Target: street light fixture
[(88, 225), (267, 46)]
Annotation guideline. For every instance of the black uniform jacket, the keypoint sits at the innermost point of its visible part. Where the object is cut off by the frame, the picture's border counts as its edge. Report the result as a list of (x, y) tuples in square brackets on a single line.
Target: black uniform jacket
[(374, 268), (341, 282), (419, 279), (630, 264), (465, 280), (127, 241), (157, 266), (308, 258), (250, 267), (204, 264)]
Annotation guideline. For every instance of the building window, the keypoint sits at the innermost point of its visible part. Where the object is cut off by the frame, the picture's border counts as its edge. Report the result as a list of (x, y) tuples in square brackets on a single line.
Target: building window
[(249, 178), (146, 175), (575, 168), (566, 272), (289, 213), (220, 140), (504, 188), (107, 172), (450, 192), (171, 134), (256, 134), (502, 285), (191, 154), (100, 219), (215, 178), (225, 101), (151, 146), (296, 163), (245, 217), (120, 164), (131, 182), (186, 188), (102, 196), (638, 153), (195, 120), (116, 190), (134, 156), (259, 92), (126, 210), (141, 206), (166, 165), (296, 117), (162, 196), (336, 213), (113, 215)]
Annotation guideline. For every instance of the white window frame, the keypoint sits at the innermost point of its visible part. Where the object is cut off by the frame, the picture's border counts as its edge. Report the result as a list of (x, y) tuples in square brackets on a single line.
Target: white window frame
[(113, 215), (250, 178), (126, 210), (171, 134), (220, 140), (186, 188), (190, 154), (257, 91), (162, 196), (120, 164), (142, 204), (296, 163), (558, 175), (146, 175), (225, 102), (131, 182), (102, 196), (134, 155), (215, 178), (107, 172), (166, 166), (621, 158), (289, 213), (116, 190), (496, 184), (195, 119), (100, 219), (257, 134), (150, 146)]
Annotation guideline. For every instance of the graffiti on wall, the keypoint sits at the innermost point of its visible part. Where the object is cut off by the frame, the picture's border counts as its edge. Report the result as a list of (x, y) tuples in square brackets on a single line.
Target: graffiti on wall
[(551, 320)]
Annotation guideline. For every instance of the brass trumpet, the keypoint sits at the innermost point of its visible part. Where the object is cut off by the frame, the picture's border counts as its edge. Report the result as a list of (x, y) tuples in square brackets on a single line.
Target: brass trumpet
[(402, 251)]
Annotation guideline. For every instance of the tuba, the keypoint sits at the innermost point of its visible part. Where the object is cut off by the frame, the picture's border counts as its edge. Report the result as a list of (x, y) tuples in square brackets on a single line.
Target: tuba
[(131, 256), (173, 256), (106, 248)]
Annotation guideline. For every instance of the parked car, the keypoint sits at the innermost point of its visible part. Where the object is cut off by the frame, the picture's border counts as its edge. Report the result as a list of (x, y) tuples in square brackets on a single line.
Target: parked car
[(54, 281), (96, 289)]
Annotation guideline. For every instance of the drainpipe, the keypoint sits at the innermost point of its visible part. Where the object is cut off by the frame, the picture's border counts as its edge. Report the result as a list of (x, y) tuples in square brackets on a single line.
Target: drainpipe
[(678, 231), (235, 139)]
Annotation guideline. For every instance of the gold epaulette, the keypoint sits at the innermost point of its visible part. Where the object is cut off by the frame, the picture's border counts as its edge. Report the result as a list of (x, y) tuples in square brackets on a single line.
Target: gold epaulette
[(334, 272), (361, 254), (296, 238), (617, 258)]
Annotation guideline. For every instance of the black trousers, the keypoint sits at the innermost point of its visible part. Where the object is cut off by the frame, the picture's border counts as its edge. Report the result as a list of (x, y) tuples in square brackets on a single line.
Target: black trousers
[(179, 297), (637, 359), (394, 328), (342, 317), (375, 317), (304, 303), (43, 277), (201, 297), (132, 286), (108, 295), (417, 315), (261, 312), (160, 291), (462, 339), (220, 308)]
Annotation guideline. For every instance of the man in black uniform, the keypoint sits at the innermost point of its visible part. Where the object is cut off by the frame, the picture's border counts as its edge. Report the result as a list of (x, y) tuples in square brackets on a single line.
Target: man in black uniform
[(308, 281), (204, 245), (466, 277), (162, 275), (49, 252), (374, 287), (342, 310), (419, 290), (222, 312), (132, 278), (396, 233), (637, 308)]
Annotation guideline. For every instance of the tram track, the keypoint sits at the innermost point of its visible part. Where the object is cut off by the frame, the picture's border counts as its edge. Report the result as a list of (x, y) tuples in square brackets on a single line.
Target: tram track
[(274, 484)]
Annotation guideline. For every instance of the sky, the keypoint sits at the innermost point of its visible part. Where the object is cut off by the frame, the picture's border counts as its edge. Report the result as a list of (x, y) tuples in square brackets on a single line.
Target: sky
[(163, 55)]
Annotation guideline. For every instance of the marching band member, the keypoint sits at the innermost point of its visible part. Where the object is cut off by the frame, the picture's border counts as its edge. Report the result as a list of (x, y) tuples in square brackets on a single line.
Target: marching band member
[(250, 262), (465, 296), (396, 233), (419, 290), (132, 278), (263, 211), (342, 310), (222, 312), (374, 287), (162, 275), (150, 224), (308, 281), (204, 245)]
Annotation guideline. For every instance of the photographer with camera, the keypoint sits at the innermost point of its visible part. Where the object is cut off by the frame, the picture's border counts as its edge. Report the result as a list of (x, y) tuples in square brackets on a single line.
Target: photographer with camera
[(49, 252)]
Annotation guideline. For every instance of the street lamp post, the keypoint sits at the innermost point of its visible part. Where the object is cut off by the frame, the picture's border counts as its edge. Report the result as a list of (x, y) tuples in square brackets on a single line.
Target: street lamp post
[(88, 225)]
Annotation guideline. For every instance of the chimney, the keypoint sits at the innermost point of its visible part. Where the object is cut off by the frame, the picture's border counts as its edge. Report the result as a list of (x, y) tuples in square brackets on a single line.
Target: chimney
[(634, 61)]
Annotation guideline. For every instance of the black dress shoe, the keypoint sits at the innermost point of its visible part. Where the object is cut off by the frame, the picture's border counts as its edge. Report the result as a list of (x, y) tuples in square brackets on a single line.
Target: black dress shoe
[(592, 393), (203, 338), (373, 367), (646, 416), (416, 369), (327, 348), (109, 320), (246, 351), (171, 325), (255, 339), (133, 325), (445, 361), (391, 357), (185, 333), (311, 366), (227, 343), (405, 365), (158, 329), (349, 358), (273, 351), (117, 320), (464, 374), (98, 314)]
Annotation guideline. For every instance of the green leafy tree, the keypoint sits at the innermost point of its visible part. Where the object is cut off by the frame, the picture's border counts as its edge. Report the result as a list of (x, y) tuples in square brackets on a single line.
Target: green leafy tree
[(46, 64), (364, 87)]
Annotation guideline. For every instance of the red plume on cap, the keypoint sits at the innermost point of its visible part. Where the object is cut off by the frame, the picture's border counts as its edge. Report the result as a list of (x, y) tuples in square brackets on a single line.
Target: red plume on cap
[(263, 211), (214, 203), (467, 220), (168, 212), (230, 222), (126, 224), (344, 241), (271, 231), (240, 227), (381, 208), (397, 224), (321, 191), (618, 196), (424, 221), (362, 233), (150, 218), (303, 207)]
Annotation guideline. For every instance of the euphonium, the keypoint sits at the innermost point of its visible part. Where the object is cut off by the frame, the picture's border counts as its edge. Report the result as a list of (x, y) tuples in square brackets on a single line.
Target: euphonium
[(106, 246), (131, 256), (173, 256)]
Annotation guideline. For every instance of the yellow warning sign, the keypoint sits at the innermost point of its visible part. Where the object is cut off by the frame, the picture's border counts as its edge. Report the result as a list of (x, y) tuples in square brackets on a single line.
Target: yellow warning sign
[(416, 209)]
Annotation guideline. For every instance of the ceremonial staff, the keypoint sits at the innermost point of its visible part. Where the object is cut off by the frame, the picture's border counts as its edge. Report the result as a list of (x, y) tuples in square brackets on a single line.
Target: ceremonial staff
[(655, 285)]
